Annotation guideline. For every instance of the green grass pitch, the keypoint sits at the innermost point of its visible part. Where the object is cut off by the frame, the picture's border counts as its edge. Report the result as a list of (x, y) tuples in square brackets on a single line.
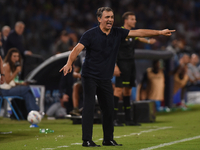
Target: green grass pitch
[(176, 130)]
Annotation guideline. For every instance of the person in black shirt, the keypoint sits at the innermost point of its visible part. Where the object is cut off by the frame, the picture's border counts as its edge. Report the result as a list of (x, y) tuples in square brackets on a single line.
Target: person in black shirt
[(1, 48), (77, 87), (65, 88), (102, 44), (14, 39), (3, 38), (125, 69)]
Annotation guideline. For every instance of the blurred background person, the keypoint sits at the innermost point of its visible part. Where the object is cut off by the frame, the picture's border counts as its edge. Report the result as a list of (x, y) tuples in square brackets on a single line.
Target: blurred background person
[(180, 79), (11, 86), (65, 43), (176, 46), (61, 108), (5, 33), (153, 83), (14, 39), (77, 87), (184, 59), (193, 71), (1, 47), (2, 73), (180, 82), (65, 89)]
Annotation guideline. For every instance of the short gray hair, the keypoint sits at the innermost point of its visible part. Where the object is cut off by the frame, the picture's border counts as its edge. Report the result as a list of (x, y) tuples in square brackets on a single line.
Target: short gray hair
[(19, 23), (5, 27), (101, 9)]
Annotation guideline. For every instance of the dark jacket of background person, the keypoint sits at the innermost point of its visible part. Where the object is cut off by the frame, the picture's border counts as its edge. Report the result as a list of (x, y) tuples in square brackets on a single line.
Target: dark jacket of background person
[(1, 47), (14, 40), (3, 42), (64, 106), (65, 87)]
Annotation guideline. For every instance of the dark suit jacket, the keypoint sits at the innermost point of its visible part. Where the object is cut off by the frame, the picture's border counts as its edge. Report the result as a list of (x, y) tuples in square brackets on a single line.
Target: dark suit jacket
[(14, 40)]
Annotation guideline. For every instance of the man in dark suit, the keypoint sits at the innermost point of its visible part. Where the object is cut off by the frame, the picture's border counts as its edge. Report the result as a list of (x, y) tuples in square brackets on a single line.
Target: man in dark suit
[(15, 39), (4, 36), (1, 47)]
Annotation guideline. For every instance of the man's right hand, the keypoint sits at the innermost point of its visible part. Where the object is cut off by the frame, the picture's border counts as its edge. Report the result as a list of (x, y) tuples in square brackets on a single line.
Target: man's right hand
[(166, 32), (66, 69)]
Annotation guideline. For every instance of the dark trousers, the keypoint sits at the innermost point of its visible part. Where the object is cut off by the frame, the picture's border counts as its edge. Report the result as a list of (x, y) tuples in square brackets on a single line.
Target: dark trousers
[(103, 90)]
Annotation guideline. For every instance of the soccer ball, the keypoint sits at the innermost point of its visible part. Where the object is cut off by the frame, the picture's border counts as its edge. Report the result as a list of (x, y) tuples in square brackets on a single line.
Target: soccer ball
[(34, 117)]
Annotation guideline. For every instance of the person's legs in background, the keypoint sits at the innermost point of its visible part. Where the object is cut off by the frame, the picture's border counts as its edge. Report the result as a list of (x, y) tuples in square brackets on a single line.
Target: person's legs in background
[(24, 92), (77, 88), (127, 105), (117, 95)]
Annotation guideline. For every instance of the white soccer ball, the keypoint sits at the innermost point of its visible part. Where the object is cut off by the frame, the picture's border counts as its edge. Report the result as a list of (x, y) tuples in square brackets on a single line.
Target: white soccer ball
[(34, 117)]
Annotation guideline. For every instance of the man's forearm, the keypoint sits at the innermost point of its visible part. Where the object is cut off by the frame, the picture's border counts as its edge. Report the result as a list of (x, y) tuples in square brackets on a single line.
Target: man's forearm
[(149, 33), (144, 33), (76, 50)]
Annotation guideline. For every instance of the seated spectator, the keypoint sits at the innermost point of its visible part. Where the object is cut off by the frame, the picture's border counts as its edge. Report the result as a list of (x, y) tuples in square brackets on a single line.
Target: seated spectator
[(184, 59), (77, 87), (180, 81), (153, 83), (14, 39), (64, 106), (58, 109), (12, 67), (180, 78), (66, 42), (193, 71)]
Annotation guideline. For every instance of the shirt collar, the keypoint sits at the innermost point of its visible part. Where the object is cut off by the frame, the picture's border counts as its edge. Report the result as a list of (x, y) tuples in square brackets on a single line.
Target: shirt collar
[(104, 33)]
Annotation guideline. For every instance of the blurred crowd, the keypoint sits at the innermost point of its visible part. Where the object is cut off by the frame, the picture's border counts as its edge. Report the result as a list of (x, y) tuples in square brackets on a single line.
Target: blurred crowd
[(45, 19)]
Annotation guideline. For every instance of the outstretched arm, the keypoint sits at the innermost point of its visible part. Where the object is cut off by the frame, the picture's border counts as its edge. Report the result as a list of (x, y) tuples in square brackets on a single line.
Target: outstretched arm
[(149, 33), (76, 50), (148, 41)]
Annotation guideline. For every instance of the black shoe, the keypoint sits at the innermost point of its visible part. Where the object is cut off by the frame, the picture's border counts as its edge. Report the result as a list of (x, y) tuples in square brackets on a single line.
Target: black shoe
[(110, 143), (131, 123), (117, 123), (90, 144)]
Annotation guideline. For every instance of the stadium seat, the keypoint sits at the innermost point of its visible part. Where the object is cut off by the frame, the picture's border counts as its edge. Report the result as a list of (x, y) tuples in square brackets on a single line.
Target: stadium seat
[(8, 99)]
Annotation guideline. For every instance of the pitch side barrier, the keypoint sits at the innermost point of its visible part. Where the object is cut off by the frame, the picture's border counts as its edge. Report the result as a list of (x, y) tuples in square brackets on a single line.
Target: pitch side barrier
[(47, 73), (144, 58)]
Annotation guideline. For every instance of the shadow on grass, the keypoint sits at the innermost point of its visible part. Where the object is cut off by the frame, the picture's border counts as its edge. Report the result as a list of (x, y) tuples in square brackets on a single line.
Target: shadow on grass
[(6, 138)]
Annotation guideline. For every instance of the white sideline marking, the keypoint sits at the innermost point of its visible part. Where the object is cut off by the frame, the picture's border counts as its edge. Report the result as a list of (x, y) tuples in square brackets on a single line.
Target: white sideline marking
[(145, 131), (171, 143), (76, 143), (55, 147)]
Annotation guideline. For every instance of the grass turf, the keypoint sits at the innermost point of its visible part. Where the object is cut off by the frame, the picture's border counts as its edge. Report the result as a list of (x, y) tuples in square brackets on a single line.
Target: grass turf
[(169, 127)]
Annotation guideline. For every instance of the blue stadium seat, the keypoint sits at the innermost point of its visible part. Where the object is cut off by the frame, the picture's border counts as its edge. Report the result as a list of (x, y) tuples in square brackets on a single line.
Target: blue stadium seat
[(8, 100)]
